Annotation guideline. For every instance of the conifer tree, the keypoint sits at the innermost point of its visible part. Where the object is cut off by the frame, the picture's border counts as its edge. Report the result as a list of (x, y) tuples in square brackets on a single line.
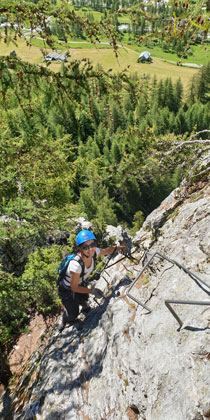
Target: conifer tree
[(130, 118), (197, 115), (169, 95), (178, 95), (206, 117), (115, 152), (190, 118), (127, 104), (154, 89), (95, 112), (82, 149), (181, 126), (95, 150), (92, 149), (160, 94), (200, 86), (129, 198), (171, 122), (106, 155), (96, 203), (117, 116), (162, 121), (154, 114), (142, 105), (100, 136), (192, 91), (203, 84)]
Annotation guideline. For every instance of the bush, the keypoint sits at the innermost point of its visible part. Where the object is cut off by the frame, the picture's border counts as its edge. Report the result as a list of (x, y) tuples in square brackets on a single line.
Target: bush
[(138, 222), (40, 278), (14, 304)]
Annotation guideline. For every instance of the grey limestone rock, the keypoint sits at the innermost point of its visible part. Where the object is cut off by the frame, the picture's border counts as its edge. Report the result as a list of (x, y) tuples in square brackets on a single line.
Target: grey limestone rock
[(82, 223), (123, 362)]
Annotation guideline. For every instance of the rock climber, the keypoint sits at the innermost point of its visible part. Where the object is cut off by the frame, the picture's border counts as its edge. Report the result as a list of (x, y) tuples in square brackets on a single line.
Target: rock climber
[(73, 289)]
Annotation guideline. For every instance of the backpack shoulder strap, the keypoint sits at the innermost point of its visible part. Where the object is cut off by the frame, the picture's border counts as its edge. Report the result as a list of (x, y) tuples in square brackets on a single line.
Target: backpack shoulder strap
[(81, 262)]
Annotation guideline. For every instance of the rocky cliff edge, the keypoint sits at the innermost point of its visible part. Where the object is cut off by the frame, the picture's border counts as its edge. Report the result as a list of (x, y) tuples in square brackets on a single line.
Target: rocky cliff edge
[(130, 358)]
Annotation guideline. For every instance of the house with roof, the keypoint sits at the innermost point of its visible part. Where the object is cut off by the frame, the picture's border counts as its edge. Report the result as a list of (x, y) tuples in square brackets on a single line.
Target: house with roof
[(145, 57), (54, 56)]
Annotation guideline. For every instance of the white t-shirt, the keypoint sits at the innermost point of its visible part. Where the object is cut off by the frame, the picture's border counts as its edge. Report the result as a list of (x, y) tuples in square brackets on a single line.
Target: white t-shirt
[(75, 267)]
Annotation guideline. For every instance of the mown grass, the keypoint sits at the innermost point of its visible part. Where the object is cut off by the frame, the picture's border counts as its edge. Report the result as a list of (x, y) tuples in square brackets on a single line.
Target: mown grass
[(200, 53), (127, 59)]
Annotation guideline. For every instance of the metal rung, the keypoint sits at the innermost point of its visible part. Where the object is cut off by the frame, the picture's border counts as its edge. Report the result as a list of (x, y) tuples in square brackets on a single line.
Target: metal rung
[(134, 282), (182, 302), (138, 301), (168, 302)]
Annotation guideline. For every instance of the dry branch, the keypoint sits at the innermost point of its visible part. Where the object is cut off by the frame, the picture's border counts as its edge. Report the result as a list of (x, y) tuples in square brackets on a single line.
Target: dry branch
[(190, 142)]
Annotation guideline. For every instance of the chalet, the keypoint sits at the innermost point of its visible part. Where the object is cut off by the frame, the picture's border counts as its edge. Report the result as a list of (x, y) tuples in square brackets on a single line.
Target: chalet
[(145, 57), (54, 56)]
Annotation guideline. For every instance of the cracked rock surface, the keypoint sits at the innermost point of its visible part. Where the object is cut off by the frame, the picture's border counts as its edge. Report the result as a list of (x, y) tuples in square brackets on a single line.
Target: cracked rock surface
[(124, 362)]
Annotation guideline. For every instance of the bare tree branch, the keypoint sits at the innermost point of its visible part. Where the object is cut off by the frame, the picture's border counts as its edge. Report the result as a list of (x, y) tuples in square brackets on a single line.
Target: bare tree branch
[(198, 134), (204, 172), (190, 142)]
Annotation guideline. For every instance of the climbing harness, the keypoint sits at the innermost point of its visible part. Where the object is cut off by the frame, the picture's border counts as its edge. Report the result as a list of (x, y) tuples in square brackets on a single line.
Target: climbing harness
[(169, 302)]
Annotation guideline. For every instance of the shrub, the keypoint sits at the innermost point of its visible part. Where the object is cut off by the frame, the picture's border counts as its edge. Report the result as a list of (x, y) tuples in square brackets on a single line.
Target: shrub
[(40, 279)]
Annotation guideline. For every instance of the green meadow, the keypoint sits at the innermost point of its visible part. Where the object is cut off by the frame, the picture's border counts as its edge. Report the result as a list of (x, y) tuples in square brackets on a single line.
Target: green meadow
[(103, 55)]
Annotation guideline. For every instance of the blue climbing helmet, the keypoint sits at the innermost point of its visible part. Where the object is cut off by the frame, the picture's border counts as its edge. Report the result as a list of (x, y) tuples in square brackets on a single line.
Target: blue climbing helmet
[(83, 236)]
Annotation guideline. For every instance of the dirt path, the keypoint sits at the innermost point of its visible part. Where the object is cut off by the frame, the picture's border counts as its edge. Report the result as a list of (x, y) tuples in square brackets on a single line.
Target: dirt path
[(27, 344)]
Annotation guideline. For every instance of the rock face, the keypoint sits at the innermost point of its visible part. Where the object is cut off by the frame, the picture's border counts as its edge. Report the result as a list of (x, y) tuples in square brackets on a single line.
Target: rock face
[(126, 362)]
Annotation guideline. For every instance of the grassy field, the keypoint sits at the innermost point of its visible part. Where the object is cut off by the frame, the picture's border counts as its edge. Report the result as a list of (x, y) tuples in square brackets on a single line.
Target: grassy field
[(160, 68), (200, 54), (127, 59)]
